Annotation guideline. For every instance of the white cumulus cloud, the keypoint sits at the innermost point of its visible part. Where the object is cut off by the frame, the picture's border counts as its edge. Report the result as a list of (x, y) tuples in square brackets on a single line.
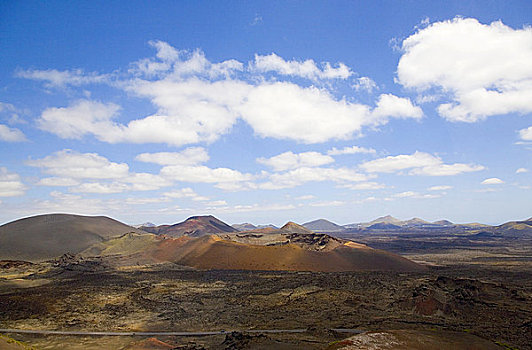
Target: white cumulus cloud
[(11, 134), (419, 163), (365, 84), (279, 109), (72, 164), (492, 181), (327, 204), (203, 174), (186, 192), (58, 182), (416, 195), (305, 69), (197, 100), (182, 63), (70, 168), (526, 134), (10, 184), (146, 181), (189, 156), (350, 150), (485, 69), (55, 78), (101, 188), (364, 186), (446, 169), (299, 176), (391, 106), (305, 197), (440, 188), (290, 160), (81, 118)]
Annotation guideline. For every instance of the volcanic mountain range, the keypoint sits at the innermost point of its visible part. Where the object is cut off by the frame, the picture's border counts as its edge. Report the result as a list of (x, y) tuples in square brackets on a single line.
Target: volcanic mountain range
[(202, 242), (387, 222), (205, 242), (392, 225)]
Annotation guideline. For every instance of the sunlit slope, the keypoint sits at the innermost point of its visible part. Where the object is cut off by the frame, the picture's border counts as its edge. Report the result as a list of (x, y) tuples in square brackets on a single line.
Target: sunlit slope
[(48, 236), (127, 244), (515, 228), (301, 252), (213, 252), (291, 248)]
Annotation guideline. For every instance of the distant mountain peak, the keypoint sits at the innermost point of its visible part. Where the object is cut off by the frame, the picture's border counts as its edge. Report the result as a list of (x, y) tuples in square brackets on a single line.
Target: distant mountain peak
[(246, 226), (201, 217), (267, 226), (195, 226), (290, 224), (388, 219), (146, 224), (292, 227), (443, 222), (416, 221), (323, 225)]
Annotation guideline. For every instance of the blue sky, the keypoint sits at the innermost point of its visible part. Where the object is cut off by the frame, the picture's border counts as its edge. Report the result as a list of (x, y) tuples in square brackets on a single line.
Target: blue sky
[(267, 111)]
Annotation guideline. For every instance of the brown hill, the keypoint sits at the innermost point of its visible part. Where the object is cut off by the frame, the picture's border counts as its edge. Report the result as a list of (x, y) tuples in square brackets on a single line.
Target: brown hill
[(195, 226), (213, 252), (43, 237), (249, 251)]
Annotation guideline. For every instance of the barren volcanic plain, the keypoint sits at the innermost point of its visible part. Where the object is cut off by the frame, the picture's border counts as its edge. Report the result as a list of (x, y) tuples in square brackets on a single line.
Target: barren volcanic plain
[(380, 285)]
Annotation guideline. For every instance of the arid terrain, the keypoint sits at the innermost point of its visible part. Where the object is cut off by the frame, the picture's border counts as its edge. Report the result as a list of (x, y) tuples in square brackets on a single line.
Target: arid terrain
[(466, 296)]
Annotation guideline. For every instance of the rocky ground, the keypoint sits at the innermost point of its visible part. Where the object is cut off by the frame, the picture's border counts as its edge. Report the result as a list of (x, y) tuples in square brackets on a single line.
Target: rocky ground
[(492, 303)]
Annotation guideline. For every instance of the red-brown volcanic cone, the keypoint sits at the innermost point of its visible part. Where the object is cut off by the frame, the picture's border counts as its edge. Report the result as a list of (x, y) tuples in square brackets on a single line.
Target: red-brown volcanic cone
[(212, 252)]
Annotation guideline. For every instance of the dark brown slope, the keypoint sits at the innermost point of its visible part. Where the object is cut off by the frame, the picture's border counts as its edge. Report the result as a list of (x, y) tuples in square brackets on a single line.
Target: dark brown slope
[(195, 226), (48, 236)]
